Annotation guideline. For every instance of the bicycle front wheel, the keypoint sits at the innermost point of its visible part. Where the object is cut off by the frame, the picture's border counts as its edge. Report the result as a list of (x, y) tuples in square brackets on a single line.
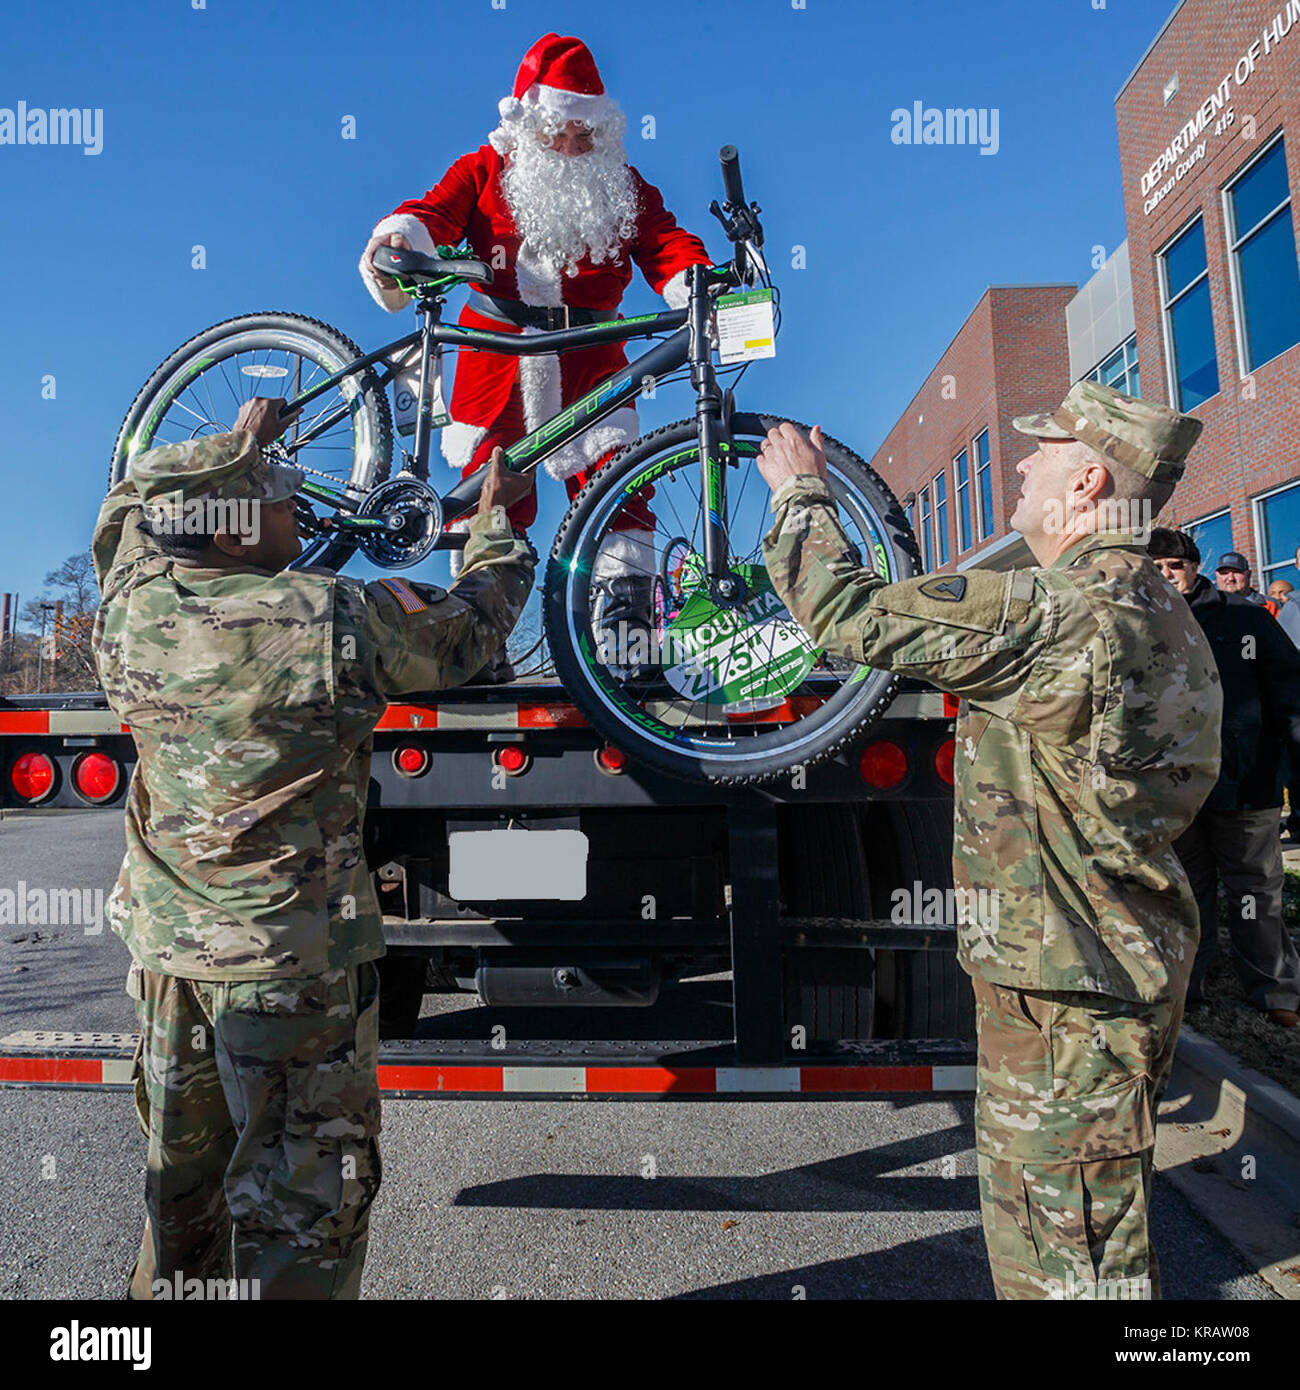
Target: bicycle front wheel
[(729, 690), (198, 391)]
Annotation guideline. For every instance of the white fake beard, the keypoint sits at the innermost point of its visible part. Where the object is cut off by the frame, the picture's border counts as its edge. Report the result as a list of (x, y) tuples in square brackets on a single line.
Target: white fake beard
[(569, 206)]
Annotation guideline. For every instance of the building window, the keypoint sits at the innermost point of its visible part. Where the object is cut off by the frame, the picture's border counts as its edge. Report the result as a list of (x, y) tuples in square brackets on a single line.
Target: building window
[(961, 476), (923, 535), (984, 485), (940, 519), (1265, 276), (1213, 537), (1120, 369), (1189, 323), (1277, 524)]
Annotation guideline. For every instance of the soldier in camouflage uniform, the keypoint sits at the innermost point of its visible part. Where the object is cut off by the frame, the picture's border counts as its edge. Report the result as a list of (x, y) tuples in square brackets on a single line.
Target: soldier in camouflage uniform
[(1087, 739), (252, 693)]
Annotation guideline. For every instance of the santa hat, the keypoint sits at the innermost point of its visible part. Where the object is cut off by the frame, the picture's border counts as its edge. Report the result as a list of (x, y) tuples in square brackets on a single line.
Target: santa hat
[(557, 78)]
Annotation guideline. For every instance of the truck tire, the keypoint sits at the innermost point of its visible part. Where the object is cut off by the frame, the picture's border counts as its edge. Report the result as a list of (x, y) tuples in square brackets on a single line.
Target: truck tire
[(829, 992), (401, 993), (919, 994)]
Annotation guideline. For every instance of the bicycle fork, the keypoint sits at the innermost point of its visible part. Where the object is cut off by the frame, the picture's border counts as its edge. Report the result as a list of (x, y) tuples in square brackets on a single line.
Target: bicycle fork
[(714, 433)]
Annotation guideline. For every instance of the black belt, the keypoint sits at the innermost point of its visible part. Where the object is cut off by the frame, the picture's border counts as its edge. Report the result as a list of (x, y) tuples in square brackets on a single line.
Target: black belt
[(544, 316)]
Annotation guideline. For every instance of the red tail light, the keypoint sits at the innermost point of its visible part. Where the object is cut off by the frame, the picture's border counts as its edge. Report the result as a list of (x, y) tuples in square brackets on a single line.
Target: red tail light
[(410, 760), (97, 777), (511, 760), (951, 703), (32, 776), (883, 765), (610, 759), (943, 759)]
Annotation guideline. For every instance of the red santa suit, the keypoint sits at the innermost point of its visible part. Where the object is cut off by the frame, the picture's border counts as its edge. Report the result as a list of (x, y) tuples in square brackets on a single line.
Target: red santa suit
[(498, 399)]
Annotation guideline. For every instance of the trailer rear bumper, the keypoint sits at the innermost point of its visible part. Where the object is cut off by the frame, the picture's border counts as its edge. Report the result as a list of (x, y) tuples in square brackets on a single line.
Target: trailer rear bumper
[(555, 1070)]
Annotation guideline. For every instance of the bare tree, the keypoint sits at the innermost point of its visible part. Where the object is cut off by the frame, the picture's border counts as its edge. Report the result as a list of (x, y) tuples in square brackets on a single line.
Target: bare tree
[(67, 632)]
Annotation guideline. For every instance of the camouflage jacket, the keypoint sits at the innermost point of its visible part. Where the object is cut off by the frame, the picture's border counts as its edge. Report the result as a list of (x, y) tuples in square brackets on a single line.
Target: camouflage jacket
[(252, 697), (1087, 739)]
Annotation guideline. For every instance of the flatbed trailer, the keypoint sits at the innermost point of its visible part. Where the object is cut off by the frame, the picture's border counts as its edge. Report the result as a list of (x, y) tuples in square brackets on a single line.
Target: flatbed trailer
[(520, 858)]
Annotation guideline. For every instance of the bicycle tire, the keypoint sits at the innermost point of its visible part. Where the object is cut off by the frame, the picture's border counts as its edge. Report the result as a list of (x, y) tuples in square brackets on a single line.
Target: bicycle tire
[(372, 418), (801, 743)]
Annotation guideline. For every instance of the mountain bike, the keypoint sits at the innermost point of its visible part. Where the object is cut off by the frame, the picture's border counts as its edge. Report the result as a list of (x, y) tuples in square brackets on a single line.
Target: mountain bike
[(732, 690)]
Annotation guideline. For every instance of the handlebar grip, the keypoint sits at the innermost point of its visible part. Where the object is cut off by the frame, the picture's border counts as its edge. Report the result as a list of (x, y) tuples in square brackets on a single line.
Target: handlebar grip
[(731, 176)]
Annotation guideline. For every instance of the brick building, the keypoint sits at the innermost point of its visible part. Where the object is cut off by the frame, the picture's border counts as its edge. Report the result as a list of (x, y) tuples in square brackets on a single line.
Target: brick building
[(1199, 308), (1209, 138), (951, 457)]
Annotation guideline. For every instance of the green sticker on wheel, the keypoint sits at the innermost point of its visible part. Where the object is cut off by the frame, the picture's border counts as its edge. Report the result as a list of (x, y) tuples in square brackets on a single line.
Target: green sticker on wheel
[(750, 655)]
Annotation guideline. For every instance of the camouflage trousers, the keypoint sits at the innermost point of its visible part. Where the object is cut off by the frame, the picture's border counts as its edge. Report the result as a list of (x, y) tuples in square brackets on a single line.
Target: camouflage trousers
[(260, 1101), (1065, 1113)]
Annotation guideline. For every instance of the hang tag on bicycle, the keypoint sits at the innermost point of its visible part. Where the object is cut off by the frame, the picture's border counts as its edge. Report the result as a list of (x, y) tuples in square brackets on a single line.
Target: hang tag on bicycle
[(746, 326), (406, 394)]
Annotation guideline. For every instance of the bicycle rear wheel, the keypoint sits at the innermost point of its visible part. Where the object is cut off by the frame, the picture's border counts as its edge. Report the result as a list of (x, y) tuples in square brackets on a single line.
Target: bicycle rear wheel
[(198, 391), (736, 693)]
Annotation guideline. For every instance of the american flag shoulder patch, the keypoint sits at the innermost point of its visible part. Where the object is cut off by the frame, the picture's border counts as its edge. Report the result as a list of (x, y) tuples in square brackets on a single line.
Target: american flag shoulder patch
[(411, 601)]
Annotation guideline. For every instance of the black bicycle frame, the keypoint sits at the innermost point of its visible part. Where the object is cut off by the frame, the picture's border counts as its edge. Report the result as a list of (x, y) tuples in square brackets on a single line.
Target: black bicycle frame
[(689, 343)]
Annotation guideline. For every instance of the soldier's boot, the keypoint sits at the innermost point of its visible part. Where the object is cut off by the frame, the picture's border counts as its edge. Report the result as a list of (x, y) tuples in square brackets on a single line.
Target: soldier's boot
[(627, 625), (497, 670)]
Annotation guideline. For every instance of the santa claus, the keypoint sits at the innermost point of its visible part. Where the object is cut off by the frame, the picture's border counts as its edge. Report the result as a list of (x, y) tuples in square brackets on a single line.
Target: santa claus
[(552, 205)]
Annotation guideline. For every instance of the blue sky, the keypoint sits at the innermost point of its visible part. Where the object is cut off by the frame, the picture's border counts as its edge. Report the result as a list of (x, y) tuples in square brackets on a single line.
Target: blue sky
[(221, 127)]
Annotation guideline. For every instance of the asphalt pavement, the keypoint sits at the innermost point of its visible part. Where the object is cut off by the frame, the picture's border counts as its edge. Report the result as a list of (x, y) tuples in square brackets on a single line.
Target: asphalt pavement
[(527, 1199)]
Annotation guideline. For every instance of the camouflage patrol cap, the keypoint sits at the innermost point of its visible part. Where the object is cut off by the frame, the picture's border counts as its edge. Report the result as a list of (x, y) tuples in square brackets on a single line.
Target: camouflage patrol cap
[(217, 467), (1149, 438)]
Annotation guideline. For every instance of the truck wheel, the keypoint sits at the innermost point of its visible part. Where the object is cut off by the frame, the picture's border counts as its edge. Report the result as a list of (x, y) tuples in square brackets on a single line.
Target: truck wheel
[(919, 994), (829, 992), (401, 993)]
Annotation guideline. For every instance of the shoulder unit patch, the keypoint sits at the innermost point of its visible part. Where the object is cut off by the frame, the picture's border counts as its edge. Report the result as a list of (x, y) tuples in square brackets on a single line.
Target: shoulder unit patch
[(950, 588)]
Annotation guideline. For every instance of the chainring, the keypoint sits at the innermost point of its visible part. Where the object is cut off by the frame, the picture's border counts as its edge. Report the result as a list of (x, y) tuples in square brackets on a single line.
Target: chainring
[(412, 513)]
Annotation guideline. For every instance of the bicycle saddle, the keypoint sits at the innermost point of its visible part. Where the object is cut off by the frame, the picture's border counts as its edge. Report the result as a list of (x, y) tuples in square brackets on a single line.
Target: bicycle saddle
[(417, 268)]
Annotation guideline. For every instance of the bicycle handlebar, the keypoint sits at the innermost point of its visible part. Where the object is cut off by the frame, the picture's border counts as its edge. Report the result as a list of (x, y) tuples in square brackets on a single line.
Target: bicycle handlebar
[(731, 181)]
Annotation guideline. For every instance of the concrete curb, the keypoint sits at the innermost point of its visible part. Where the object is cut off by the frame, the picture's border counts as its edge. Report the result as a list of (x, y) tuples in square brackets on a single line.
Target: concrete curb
[(1229, 1141)]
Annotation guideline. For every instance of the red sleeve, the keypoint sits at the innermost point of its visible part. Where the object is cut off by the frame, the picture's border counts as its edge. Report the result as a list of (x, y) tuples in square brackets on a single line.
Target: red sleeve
[(445, 209), (661, 247)]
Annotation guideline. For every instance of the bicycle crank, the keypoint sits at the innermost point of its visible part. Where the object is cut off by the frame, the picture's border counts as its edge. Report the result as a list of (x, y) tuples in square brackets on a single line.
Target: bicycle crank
[(398, 523)]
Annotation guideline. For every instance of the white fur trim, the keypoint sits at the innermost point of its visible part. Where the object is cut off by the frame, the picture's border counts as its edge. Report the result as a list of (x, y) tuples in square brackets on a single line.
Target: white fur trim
[(459, 442), (676, 291), (625, 552), (599, 111), (538, 280), (418, 235), (594, 108), (540, 391), (613, 432)]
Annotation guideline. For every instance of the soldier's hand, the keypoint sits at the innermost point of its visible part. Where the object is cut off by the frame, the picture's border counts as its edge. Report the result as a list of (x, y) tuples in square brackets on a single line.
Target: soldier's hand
[(501, 487), (786, 453), (261, 415), (394, 239)]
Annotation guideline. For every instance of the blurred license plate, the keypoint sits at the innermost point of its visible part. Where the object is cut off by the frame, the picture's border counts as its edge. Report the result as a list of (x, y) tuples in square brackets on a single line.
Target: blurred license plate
[(487, 865)]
